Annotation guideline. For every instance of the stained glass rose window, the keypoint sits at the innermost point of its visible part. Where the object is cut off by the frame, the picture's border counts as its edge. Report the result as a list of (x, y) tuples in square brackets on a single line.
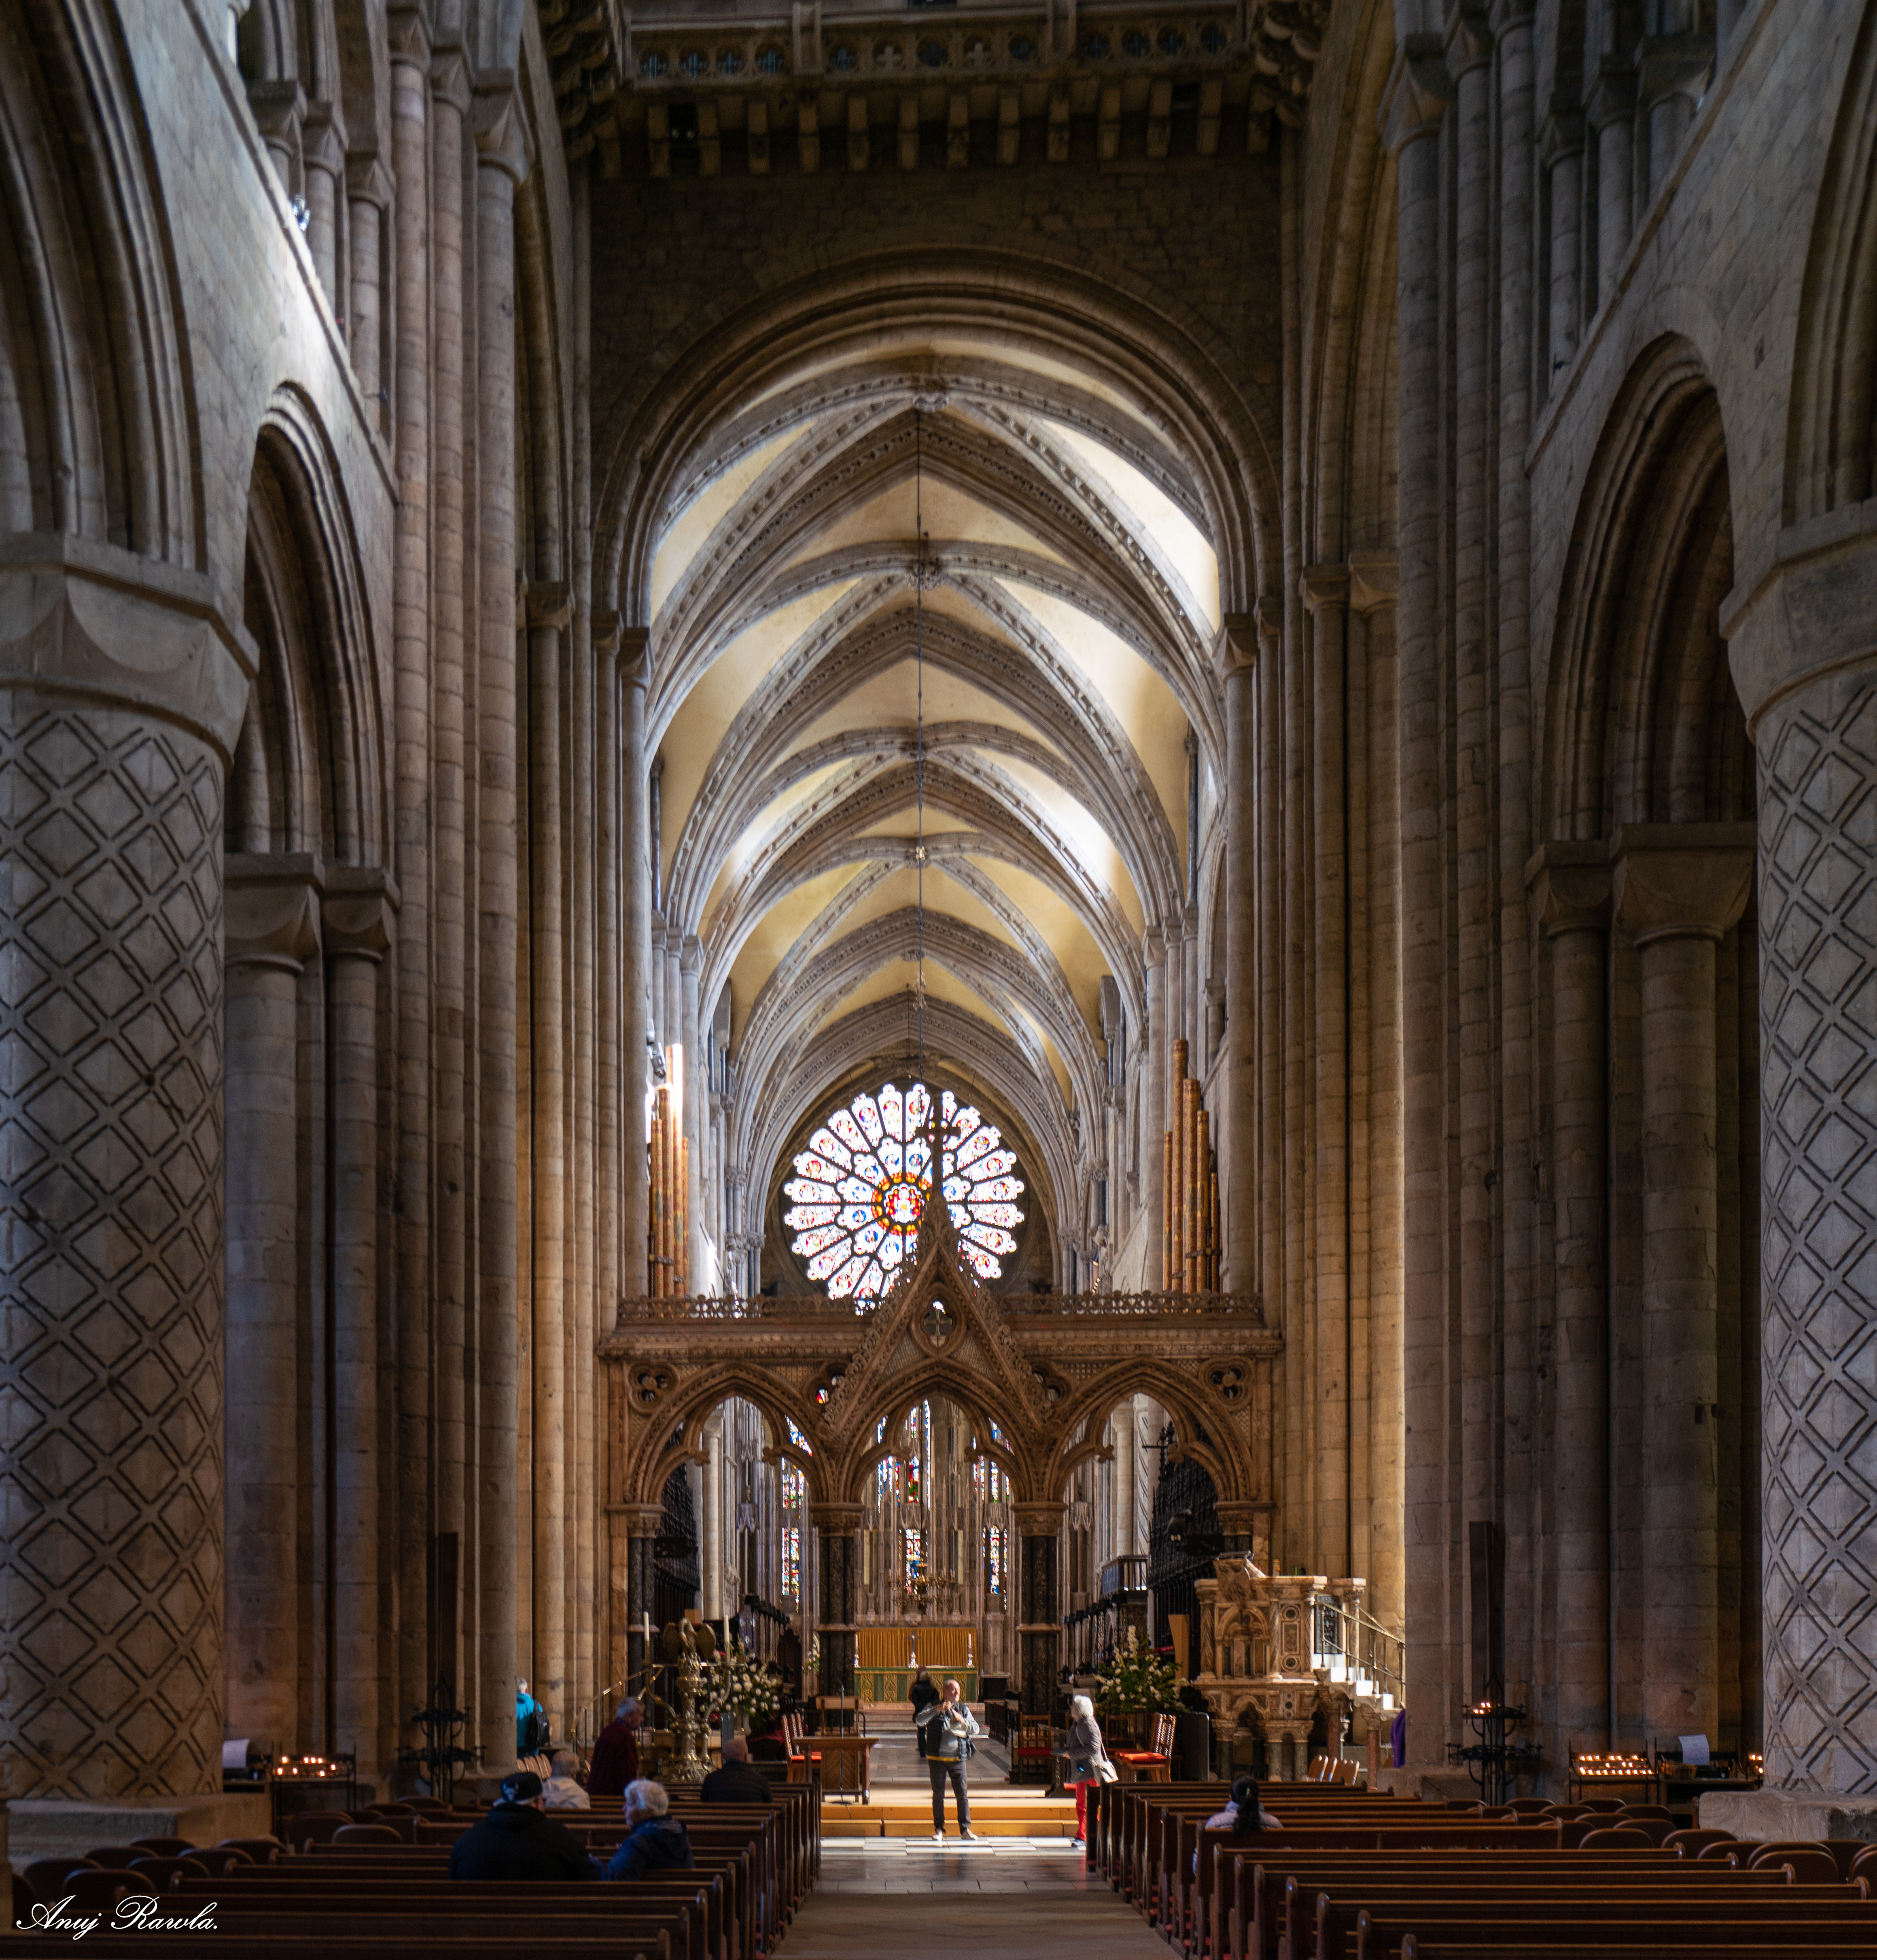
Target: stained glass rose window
[(860, 1186)]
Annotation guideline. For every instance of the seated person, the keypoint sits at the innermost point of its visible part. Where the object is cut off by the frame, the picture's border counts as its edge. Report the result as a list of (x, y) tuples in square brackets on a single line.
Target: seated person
[(735, 1781), (561, 1790), (1243, 1815), (517, 1841), (654, 1841)]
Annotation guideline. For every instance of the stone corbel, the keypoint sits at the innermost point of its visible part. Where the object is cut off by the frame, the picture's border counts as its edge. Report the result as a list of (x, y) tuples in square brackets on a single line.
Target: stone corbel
[(1268, 615), (323, 139), (1569, 885), (357, 911), (606, 634), (690, 953), (270, 910), (1419, 89), (1681, 880)]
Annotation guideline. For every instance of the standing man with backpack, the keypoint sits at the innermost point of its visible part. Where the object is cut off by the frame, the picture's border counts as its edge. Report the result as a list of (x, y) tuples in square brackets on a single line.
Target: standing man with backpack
[(948, 1726)]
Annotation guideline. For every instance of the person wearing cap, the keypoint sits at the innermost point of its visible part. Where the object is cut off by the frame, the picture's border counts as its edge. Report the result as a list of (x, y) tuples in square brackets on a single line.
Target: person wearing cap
[(518, 1840)]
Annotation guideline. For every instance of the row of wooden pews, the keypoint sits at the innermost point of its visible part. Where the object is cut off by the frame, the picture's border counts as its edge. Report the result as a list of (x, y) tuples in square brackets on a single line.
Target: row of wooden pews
[(1357, 1876), (376, 1882)]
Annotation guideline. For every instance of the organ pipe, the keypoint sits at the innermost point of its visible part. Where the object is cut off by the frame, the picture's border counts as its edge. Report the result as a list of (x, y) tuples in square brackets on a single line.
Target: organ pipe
[(1189, 1221)]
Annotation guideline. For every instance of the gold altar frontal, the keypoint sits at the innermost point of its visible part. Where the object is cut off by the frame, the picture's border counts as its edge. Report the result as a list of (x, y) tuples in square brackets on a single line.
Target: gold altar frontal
[(887, 1660)]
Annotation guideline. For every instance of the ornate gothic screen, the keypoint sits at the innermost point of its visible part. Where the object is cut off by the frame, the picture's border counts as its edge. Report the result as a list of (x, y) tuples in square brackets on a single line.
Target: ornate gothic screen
[(860, 1186)]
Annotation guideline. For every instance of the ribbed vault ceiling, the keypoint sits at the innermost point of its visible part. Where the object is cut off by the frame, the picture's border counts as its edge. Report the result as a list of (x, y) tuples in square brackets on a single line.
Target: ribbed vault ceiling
[(1070, 607)]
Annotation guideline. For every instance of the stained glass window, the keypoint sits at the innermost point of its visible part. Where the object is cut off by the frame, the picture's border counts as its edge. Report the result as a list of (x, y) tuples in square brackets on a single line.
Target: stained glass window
[(914, 1542), (989, 1480), (791, 1562), (861, 1184), (994, 1559), (801, 1442)]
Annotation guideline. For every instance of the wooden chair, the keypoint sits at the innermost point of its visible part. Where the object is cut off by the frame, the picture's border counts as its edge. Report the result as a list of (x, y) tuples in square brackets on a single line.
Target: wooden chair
[(165, 1848), (371, 1833), (1033, 1754), (49, 1879), (1614, 1837), (223, 1858), (1153, 1764)]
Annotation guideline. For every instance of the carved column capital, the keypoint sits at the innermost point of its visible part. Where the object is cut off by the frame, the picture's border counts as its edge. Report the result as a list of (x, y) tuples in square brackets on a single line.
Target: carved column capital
[(1419, 89), (1569, 885), (107, 628), (1812, 612), (1681, 880), (357, 911), (1375, 581), (1321, 586), (450, 77), (270, 910), (642, 1520), (1041, 1518), (635, 655), (550, 603), (1237, 647), (368, 178), (836, 1520), (500, 125)]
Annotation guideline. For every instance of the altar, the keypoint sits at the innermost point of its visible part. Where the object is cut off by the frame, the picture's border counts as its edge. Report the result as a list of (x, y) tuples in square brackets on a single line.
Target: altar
[(887, 1660)]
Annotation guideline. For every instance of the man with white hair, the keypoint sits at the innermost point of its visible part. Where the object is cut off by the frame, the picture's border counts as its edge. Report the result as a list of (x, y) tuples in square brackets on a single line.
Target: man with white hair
[(654, 1840), (615, 1751)]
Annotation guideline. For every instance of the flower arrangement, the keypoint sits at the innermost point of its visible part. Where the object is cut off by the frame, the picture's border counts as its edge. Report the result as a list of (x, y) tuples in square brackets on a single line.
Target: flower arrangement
[(1138, 1681), (735, 1680)]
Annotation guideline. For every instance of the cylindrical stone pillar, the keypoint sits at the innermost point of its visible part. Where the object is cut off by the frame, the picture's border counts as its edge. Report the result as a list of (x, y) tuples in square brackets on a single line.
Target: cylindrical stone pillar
[(1238, 1247), (635, 962), (1678, 887), (1126, 1436), (1039, 1620), (1417, 104), (1612, 114), (501, 157), (690, 956), (357, 932), (1153, 1117), (119, 709), (321, 166), (368, 193), (1571, 895), (271, 930)]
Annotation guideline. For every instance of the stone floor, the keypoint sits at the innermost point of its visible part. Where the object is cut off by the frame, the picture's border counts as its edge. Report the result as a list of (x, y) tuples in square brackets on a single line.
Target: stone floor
[(1007, 1898)]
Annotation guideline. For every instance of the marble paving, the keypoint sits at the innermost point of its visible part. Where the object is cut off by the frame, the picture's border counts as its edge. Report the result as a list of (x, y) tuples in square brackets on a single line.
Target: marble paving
[(1006, 1899)]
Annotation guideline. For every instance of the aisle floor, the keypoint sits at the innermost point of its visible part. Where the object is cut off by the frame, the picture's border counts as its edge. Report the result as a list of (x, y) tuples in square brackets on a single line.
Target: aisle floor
[(1003, 1898)]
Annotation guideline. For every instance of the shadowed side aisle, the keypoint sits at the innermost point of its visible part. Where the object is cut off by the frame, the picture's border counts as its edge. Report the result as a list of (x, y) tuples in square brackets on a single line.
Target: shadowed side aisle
[(1002, 1899)]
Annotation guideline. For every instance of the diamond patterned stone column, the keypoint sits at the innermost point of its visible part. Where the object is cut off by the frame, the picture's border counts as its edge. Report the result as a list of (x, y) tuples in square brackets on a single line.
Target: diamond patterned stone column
[(110, 1208), (1818, 855)]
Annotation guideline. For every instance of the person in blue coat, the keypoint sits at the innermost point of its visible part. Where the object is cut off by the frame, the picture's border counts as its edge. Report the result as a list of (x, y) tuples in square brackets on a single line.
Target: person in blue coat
[(654, 1840)]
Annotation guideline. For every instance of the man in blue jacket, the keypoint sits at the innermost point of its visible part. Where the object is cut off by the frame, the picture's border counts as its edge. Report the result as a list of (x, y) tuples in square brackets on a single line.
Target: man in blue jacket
[(654, 1840)]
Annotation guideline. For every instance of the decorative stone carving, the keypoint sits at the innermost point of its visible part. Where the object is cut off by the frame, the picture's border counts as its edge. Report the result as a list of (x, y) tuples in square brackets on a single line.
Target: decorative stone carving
[(1817, 857), (110, 1135)]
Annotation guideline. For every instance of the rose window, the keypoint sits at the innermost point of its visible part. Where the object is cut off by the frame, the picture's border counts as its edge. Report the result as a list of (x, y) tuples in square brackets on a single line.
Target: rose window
[(861, 1184)]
